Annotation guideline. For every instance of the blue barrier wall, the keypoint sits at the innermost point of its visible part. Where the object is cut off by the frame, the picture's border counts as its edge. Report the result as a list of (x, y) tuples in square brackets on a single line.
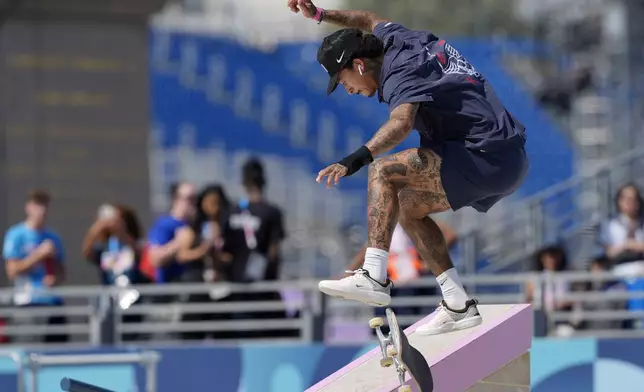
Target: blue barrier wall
[(579, 365)]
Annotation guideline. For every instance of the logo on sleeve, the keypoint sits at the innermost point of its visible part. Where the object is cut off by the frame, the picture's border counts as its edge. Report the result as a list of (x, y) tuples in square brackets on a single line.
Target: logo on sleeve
[(451, 61)]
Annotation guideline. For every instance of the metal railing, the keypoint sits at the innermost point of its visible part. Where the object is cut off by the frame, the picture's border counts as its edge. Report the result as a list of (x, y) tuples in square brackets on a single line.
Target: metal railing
[(94, 315), (566, 212), (148, 360), (288, 311)]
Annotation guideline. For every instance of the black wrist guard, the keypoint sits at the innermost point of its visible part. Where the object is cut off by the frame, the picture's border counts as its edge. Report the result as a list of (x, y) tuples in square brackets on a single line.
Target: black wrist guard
[(354, 162)]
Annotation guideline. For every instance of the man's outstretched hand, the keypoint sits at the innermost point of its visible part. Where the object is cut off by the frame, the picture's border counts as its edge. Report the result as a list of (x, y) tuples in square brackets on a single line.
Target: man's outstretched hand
[(333, 174), (306, 6)]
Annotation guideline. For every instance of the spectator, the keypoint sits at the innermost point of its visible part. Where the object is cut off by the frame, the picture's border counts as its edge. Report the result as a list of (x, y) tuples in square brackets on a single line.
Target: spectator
[(549, 261), (200, 243), (162, 242), (623, 240), (33, 255), (623, 236), (252, 237), (160, 261), (200, 247), (113, 244), (255, 231)]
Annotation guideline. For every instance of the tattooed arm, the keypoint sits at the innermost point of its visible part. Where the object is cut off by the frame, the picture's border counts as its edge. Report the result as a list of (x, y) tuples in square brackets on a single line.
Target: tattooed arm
[(401, 122), (363, 20)]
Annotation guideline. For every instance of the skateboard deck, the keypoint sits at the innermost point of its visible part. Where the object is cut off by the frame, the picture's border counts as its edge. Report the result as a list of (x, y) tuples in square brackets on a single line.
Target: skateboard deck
[(397, 351)]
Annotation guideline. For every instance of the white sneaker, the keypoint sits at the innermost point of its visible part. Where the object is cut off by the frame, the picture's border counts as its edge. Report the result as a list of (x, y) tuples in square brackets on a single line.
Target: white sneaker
[(447, 319), (359, 287)]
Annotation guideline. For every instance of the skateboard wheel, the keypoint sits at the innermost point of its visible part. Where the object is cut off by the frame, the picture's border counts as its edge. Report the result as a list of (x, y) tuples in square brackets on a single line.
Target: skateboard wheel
[(404, 388), (386, 362), (376, 322), (391, 351)]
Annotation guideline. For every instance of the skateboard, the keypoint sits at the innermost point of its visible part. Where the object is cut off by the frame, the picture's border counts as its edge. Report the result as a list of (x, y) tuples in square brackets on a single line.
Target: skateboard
[(397, 351)]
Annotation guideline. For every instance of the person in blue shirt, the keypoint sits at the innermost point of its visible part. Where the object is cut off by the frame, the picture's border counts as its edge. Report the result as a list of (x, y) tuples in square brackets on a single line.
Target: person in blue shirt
[(471, 149), (33, 256), (162, 242)]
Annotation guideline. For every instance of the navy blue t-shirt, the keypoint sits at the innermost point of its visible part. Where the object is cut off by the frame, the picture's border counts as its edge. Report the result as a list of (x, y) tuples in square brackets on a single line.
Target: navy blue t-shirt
[(456, 101)]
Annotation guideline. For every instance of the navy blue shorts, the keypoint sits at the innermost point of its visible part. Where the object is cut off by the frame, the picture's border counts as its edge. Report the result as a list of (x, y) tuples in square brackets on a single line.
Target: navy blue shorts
[(480, 179)]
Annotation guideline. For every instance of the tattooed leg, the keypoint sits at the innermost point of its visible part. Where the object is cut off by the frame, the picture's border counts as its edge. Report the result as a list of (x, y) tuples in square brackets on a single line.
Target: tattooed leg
[(382, 201), (429, 242), (415, 177), (407, 182), (423, 195)]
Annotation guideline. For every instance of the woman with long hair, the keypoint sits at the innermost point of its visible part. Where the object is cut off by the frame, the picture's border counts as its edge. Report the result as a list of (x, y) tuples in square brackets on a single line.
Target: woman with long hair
[(200, 243), (623, 236), (200, 250), (113, 243)]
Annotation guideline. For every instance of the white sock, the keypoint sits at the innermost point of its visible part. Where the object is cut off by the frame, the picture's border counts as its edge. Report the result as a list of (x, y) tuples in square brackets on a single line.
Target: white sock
[(453, 292), (375, 262)]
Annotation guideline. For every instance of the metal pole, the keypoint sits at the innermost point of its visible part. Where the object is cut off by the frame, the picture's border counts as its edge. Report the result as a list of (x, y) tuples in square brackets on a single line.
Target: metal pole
[(469, 254), (152, 358), (147, 359), (95, 320), (538, 225), (306, 327), (117, 316), (318, 305), (20, 372), (34, 366)]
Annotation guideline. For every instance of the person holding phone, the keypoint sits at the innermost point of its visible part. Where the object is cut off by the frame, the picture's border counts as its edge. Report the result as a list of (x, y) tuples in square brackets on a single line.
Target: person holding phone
[(33, 256)]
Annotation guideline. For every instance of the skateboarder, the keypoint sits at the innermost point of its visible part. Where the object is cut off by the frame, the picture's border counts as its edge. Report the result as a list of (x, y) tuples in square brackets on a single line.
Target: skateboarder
[(471, 148)]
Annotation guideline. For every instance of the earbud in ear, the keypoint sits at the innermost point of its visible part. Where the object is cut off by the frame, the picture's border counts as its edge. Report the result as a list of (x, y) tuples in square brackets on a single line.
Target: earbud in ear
[(360, 69)]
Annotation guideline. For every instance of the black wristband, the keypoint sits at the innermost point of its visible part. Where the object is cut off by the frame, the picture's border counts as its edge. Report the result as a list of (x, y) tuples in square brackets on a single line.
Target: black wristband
[(322, 16), (359, 158)]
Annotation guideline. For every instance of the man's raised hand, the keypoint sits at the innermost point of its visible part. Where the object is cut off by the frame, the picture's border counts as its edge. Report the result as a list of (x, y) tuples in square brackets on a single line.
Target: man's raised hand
[(307, 7)]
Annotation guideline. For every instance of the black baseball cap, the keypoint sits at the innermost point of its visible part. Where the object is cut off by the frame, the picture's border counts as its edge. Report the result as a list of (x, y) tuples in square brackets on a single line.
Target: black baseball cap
[(338, 50)]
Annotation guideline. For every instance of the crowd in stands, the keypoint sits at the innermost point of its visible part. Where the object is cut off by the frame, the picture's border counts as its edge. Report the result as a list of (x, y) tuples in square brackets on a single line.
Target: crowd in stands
[(621, 240), (204, 237)]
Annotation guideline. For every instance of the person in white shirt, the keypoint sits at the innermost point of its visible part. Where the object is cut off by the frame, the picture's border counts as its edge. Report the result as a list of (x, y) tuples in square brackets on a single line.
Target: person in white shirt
[(623, 236), (548, 261)]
